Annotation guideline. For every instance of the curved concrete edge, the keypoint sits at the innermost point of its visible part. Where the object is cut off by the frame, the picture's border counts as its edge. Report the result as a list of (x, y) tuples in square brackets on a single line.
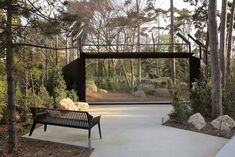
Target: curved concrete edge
[(228, 149)]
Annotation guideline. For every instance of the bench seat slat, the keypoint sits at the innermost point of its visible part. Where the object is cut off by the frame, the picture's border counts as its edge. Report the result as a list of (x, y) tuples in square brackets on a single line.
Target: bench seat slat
[(64, 122)]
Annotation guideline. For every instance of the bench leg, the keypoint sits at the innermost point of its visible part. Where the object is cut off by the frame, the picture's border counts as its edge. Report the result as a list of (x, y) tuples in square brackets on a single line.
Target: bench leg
[(89, 143), (99, 130), (32, 128), (89, 134), (89, 138), (45, 127)]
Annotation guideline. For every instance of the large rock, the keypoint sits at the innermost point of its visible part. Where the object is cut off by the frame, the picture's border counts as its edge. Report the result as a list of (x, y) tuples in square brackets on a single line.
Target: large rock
[(197, 121), (157, 82), (139, 93), (67, 104), (223, 122), (160, 82), (162, 92), (148, 89), (82, 105), (91, 86), (102, 91)]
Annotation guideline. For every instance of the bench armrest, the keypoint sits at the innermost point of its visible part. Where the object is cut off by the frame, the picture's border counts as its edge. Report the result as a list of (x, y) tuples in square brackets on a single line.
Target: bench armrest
[(95, 121), (40, 115), (38, 112)]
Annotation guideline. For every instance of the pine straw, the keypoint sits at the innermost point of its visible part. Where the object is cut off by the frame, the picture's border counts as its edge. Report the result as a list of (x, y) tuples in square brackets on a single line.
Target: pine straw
[(38, 148), (208, 129)]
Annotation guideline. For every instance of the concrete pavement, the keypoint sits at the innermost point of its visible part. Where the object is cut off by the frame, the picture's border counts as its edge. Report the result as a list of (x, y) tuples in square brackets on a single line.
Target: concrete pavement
[(228, 150), (135, 131)]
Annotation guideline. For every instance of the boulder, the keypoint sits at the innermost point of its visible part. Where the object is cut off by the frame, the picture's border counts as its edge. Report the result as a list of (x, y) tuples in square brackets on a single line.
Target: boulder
[(148, 89), (102, 91), (91, 87), (139, 93), (162, 92), (223, 122), (197, 121), (157, 82), (67, 104), (160, 82), (82, 105)]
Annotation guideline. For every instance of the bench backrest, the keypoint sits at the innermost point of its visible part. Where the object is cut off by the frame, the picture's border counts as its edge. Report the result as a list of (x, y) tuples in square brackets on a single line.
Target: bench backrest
[(64, 114)]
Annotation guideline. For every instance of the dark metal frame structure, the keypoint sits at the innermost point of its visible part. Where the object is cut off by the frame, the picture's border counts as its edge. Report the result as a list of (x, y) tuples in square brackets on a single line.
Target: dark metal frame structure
[(75, 72)]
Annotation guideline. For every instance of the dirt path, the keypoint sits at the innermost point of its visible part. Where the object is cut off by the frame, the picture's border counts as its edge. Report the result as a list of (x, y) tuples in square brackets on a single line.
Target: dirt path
[(121, 97)]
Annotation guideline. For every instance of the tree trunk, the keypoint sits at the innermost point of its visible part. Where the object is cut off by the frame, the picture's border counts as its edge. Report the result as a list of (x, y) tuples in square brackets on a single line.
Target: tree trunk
[(132, 77), (172, 41), (132, 65), (10, 81), (126, 76), (158, 32), (138, 42), (223, 30), (100, 70), (230, 36), (46, 65), (216, 94)]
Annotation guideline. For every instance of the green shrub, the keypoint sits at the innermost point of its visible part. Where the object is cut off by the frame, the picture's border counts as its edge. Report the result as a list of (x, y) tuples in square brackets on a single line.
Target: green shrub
[(3, 90), (23, 111), (28, 123), (56, 85), (102, 84), (24, 102), (3, 99), (110, 84), (89, 75), (58, 94), (3, 112), (113, 84), (20, 128), (229, 98), (181, 109), (72, 94), (200, 99), (2, 106), (44, 98)]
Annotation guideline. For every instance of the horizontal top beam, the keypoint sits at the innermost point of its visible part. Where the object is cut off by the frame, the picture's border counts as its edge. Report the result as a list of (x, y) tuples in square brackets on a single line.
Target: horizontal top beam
[(137, 55)]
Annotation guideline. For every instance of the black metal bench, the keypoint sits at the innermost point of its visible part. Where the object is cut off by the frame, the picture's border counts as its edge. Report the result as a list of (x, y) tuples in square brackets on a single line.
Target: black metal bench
[(66, 118)]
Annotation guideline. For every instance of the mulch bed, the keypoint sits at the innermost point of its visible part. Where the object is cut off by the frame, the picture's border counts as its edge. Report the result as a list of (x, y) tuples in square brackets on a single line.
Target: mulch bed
[(208, 129), (38, 148)]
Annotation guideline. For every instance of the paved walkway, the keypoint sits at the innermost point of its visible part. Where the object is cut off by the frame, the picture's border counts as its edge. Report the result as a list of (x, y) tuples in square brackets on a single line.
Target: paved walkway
[(136, 131), (228, 149)]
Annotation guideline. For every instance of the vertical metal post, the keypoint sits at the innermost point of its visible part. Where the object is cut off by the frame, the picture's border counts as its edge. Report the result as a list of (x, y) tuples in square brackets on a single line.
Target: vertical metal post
[(190, 74), (189, 47), (78, 47), (81, 80), (117, 45), (98, 46), (206, 57), (153, 42), (56, 57)]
